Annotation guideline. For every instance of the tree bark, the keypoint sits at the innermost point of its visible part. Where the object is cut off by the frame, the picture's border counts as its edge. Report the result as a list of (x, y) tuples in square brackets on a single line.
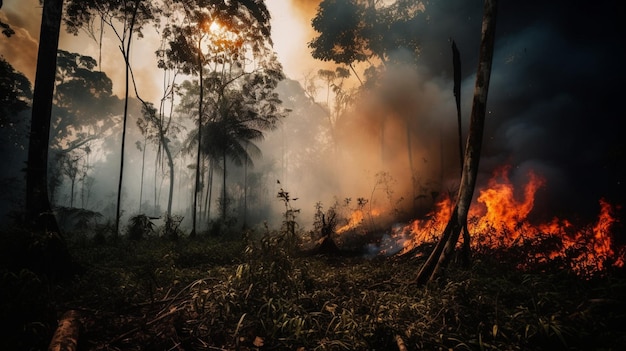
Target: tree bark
[(38, 210), (65, 337), (441, 255)]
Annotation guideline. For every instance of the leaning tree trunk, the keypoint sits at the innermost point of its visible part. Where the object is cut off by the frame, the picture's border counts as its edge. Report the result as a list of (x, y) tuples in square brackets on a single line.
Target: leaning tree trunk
[(441, 255)]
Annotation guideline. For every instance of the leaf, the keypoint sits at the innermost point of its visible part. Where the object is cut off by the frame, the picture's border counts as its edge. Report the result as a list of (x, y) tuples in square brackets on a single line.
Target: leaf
[(258, 341)]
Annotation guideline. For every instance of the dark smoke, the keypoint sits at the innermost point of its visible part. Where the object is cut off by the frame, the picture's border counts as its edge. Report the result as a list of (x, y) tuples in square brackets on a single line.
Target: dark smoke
[(553, 104)]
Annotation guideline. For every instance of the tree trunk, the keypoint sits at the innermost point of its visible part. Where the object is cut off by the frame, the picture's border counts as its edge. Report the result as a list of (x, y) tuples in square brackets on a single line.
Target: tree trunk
[(126, 54), (38, 210), (170, 164), (456, 63), (224, 203), (209, 191), (143, 168), (197, 183), (441, 255)]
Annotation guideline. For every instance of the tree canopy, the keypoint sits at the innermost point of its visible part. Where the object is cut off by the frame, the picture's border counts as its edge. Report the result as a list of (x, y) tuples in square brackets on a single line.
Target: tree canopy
[(356, 31)]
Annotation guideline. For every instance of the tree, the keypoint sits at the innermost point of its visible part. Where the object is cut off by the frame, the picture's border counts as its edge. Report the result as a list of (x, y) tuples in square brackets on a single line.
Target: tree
[(15, 92), (6, 29), (158, 129), (374, 35), (233, 29), (83, 107), (441, 254), (38, 211), (132, 15), (355, 31), (83, 102), (15, 101), (39, 217)]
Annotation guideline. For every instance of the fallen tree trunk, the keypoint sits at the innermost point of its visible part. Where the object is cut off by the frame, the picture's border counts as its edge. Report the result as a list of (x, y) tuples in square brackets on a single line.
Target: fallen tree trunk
[(65, 337), (441, 255), (400, 343)]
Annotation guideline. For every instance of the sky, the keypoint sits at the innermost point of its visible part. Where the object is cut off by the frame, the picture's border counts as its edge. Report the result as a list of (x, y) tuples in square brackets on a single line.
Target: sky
[(555, 104)]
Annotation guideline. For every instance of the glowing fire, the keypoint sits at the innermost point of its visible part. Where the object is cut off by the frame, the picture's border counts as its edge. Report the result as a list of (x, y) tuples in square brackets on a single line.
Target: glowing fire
[(356, 219), (500, 220)]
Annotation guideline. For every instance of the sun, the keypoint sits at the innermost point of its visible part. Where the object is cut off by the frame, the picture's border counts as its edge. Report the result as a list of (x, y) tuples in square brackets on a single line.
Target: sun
[(215, 28)]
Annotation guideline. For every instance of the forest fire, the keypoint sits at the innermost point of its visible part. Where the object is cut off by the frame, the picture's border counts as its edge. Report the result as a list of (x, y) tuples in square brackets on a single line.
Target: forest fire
[(356, 219), (499, 220)]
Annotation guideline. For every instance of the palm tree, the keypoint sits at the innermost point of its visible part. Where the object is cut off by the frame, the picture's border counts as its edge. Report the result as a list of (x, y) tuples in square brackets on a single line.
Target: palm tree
[(230, 138)]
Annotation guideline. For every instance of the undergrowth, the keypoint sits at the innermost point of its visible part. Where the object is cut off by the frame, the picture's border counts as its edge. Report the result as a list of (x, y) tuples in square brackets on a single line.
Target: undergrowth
[(261, 294)]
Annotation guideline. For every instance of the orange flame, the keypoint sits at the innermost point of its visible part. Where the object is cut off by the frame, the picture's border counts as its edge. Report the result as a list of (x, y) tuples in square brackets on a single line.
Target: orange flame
[(500, 220), (354, 221)]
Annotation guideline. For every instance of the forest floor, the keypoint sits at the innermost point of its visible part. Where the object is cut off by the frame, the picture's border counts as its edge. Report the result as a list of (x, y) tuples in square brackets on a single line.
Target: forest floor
[(238, 294)]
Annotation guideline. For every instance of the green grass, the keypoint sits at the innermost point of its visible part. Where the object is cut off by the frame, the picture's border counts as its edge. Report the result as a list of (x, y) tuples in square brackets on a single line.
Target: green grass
[(211, 293)]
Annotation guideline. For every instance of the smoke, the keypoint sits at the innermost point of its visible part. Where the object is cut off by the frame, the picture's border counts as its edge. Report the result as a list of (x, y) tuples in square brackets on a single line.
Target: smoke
[(552, 108), (554, 93), (21, 48)]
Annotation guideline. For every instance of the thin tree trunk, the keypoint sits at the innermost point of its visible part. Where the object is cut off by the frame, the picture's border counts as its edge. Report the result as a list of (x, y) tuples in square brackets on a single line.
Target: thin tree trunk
[(38, 209), (72, 193), (170, 164), (210, 190), (126, 55), (197, 183), (456, 63), (224, 204), (441, 255), (245, 190), (143, 167)]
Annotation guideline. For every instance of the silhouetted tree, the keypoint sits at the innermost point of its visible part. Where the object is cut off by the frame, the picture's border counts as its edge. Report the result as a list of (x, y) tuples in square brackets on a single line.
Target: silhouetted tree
[(83, 103), (373, 33), (132, 16), (441, 254), (15, 93), (356, 31), (15, 100), (56, 261), (217, 36), (159, 129), (233, 29), (38, 211)]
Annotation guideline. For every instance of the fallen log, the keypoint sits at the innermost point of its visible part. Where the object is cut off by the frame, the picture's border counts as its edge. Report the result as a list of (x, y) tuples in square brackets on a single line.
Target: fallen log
[(400, 343), (65, 337)]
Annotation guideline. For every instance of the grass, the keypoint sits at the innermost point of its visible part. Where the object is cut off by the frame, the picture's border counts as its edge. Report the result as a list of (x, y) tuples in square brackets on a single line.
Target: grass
[(217, 294)]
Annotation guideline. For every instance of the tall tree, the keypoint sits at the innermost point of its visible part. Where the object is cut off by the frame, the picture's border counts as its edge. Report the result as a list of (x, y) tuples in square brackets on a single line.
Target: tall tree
[(38, 209), (441, 254), (132, 15), (159, 130), (232, 29), (15, 101), (369, 34), (39, 216), (354, 31), (83, 103), (15, 92)]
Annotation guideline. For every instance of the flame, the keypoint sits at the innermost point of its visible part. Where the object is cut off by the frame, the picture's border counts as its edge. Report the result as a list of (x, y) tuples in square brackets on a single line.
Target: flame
[(498, 219), (356, 219)]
